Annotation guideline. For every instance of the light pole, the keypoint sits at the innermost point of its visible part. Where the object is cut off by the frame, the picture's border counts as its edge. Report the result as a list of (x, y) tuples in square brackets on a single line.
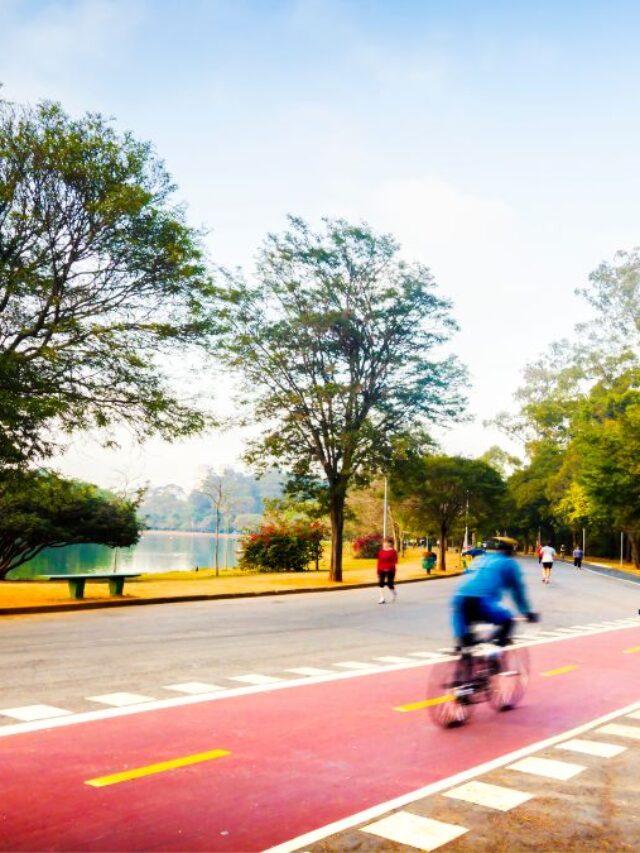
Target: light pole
[(465, 544), (386, 509)]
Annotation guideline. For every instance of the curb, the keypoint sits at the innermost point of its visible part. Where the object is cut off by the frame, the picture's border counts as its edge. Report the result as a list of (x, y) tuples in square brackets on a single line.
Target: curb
[(614, 573), (177, 599)]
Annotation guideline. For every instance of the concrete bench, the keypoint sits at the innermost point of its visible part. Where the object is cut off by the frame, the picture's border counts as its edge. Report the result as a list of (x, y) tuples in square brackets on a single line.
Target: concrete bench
[(77, 582)]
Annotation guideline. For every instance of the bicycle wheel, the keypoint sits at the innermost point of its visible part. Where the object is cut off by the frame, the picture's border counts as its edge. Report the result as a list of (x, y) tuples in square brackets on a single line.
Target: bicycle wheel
[(445, 708), (509, 684)]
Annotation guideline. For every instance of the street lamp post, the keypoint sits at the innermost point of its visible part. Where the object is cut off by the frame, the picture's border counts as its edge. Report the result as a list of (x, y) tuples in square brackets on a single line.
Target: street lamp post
[(386, 509)]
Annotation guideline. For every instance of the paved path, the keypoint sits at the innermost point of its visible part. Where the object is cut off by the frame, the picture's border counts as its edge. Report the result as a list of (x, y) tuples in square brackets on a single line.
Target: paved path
[(281, 761)]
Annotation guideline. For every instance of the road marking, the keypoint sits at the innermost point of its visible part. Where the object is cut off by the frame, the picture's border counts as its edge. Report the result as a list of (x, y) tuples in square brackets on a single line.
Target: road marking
[(428, 655), (547, 767), (622, 731), (394, 659), (120, 700), (592, 747), (28, 713), (161, 767), (634, 716), (310, 670), (354, 664), (491, 796), (415, 830), (438, 787), (255, 679), (193, 688), (426, 703), (559, 671), (631, 651)]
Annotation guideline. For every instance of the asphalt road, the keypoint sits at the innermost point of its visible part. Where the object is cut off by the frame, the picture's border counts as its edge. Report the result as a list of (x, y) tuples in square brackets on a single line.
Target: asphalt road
[(62, 659)]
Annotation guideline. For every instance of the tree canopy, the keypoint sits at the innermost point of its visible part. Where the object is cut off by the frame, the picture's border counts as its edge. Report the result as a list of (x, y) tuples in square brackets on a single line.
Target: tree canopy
[(337, 338), (40, 509), (100, 279), (437, 491)]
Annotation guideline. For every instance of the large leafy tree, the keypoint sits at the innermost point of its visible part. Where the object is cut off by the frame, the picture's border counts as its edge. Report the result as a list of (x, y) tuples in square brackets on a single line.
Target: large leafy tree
[(39, 510), (437, 492), (100, 279), (336, 339), (606, 441)]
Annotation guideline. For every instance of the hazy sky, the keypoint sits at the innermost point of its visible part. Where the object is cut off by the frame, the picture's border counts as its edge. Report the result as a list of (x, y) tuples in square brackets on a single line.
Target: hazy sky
[(498, 141)]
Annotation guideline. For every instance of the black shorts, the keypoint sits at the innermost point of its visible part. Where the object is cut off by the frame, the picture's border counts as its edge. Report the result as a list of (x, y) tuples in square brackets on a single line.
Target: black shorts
[(548, 565)]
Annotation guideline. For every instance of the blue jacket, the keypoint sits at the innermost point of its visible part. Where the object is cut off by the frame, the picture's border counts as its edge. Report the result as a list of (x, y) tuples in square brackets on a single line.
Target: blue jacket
[(496, 575)]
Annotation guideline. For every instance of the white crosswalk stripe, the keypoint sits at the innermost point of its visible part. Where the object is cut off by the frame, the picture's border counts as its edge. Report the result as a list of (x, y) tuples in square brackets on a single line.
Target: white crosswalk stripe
[(194, 687), (27, 713), (252, 678), (119, 700), (592, 747), (415, 831), (492, 796), (547, 767)]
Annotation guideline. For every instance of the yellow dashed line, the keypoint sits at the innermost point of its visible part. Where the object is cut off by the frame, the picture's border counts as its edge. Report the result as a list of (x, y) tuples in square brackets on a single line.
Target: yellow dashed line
[(560, 671), (137, 772), (415, 706), (632, 650)]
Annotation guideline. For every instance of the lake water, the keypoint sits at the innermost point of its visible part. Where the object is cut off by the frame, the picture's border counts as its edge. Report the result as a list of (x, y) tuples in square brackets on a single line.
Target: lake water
[(157, 551)]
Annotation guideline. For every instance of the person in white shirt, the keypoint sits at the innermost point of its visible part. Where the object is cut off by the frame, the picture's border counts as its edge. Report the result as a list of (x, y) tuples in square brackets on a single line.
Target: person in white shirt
[(548, 553)]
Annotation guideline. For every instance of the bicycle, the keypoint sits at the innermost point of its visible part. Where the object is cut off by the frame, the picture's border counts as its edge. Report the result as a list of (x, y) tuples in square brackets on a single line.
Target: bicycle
[(456, 686)]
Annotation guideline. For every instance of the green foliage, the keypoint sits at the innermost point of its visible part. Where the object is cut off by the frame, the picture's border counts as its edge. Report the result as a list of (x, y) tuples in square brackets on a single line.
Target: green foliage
[(607, 443), (336, 340), (40, 509), (100, 279), (434, 492), (283, 547)]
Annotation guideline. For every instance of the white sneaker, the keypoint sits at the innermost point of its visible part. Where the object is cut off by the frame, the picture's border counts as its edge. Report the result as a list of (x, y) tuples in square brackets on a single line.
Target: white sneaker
[(382, 601)]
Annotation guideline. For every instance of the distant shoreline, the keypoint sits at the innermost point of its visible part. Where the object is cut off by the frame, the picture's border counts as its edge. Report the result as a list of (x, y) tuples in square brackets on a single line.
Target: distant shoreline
[(191, 533)]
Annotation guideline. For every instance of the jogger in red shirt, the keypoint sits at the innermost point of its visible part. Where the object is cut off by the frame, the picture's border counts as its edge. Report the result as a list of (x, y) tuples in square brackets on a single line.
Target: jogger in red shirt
[(387, 562)]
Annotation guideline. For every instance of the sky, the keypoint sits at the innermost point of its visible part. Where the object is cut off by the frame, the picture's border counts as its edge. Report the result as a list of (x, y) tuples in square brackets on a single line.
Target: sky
[(498, 141)]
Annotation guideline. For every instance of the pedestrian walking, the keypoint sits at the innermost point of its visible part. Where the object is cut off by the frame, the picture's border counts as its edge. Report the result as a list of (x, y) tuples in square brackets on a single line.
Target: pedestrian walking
[(539, 553), (387, 562), (547, 556), (578, 554), (429, 561)]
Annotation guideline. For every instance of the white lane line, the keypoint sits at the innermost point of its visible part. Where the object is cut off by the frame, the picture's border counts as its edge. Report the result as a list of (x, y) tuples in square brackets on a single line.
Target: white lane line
[(394, 659), (309, 670), (28, 713), (567, 631), (415, 830), (632, 732), (428, 655), (592, 747), (193, 688), (547, 767), (255, 678), (119, 700), (369, 814), (354, 664), (634, 716), (491, 796)]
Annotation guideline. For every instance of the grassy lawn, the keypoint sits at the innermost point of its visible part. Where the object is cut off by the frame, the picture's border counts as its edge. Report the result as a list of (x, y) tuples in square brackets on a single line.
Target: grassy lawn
[(29, 593)]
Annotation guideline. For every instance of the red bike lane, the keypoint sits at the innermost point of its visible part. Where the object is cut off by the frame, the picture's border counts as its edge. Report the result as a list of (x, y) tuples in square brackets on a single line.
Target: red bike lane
[(294, 759)]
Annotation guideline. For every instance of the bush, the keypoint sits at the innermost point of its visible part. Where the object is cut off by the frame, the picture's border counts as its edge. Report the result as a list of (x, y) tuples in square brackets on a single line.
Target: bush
[(282, 547), (367, 547)]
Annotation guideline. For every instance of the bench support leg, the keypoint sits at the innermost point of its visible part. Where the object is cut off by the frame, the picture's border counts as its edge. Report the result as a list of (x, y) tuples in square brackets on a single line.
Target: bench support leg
[(76, 587), (116, 586)]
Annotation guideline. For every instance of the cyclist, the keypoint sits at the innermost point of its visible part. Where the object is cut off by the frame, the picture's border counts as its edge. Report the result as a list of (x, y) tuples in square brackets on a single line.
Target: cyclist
[(478, 599)]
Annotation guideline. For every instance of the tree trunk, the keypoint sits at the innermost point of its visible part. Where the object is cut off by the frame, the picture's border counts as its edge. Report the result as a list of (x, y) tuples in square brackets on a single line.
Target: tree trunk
[(443, 548), (635, 556), (336, 514)]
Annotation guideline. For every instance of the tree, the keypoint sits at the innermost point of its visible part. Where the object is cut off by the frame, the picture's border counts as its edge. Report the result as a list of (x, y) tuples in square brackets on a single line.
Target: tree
[(39, 509), (100, 279), (606, 439), (335, 342), (436, 490)]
